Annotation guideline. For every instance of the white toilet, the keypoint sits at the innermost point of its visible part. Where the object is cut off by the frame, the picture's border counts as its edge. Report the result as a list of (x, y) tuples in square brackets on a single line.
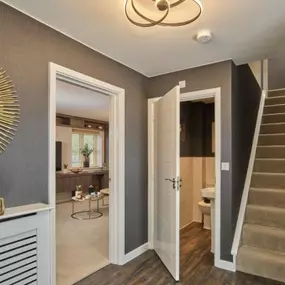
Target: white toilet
[(205, 209), (209, 212)]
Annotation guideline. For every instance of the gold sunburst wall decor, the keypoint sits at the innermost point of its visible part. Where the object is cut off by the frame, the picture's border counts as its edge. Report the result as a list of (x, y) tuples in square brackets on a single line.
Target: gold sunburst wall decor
[(9, 110)]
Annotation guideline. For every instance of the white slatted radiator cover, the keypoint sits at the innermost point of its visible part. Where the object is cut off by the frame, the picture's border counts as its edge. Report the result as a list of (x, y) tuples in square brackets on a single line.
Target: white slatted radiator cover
[(24, 250)]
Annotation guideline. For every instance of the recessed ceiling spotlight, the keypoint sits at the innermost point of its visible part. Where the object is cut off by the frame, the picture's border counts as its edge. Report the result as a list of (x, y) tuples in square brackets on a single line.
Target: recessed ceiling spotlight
[(100, 127), (89, 126), (203, 36)]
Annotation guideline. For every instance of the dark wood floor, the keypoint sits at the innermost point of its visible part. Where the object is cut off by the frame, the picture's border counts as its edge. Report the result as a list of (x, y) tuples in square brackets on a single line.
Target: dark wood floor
[(196, 267)]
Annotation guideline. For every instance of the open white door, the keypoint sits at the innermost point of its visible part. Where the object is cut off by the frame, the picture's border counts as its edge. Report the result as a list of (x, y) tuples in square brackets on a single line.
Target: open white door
[(167, 180)]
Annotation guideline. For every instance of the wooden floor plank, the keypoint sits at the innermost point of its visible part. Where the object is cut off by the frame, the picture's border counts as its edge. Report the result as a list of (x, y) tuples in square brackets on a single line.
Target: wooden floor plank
[(196, 265)]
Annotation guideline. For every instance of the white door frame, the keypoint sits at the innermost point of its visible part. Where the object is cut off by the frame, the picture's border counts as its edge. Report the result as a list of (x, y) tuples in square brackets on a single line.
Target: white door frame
[(190, 96), (117, 159)]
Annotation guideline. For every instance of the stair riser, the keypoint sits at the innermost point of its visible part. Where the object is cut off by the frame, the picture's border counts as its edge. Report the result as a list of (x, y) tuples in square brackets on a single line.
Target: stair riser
[(264, 198), (270, 152), (272, 129), (274, 109), (269, 218), (273, 119), (269, 166), (271, 140), (266, 181), (275, 101), (271, 240), (255, 265), (276, 93)]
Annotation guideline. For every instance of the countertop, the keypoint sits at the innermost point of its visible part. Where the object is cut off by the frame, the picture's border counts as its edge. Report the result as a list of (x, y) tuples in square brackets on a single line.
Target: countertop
[(83, 173)]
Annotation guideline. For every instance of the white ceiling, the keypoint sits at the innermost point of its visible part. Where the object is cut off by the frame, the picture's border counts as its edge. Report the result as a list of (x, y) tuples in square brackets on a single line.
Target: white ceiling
[(243, 30), (77, 101)]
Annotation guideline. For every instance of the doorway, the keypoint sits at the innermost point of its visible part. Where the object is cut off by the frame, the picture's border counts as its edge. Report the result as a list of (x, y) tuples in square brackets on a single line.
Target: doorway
[(82, 186), (152, 158), (116, 159)]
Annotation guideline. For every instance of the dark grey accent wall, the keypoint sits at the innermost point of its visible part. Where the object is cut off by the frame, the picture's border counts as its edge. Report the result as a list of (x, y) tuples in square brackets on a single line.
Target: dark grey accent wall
[(245, 103), (276, 72), (205, 77), (26, 47), (196, 118)]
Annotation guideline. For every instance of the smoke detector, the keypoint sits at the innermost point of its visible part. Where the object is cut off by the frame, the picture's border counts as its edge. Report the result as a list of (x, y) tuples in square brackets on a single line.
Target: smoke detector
[(203, 36)]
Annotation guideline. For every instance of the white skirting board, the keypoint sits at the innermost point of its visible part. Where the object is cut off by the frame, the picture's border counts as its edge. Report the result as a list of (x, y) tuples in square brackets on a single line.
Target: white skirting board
[(136, 252), (226, 265)]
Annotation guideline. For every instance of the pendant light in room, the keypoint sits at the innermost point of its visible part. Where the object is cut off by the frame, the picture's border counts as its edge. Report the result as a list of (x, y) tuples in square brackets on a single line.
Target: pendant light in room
[(164, 10)]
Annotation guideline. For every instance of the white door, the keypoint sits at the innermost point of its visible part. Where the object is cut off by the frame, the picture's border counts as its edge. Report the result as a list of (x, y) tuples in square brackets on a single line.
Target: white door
[(167, 181)]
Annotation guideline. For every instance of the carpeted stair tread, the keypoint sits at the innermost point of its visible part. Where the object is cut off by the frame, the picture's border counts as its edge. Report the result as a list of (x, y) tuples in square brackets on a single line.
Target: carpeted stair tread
[(272, 109), (269, 165), (271, 139), (276, 100), (267, 197), (276, 93), (273, 118), (270, 238), (270, 151), (261, 262), (265, 215), (272, 128), (268, 180)]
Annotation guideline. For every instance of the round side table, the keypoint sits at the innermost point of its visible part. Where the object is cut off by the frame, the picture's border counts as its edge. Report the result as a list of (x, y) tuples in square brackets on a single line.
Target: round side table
[(105, 193), (90, 213)]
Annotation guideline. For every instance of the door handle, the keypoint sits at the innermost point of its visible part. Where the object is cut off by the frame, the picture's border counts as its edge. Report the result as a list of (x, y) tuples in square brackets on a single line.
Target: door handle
[(173, 180)]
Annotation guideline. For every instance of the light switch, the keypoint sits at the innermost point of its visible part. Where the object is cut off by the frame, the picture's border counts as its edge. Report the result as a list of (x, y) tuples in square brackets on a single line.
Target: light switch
[(225, 166), (182, 84)]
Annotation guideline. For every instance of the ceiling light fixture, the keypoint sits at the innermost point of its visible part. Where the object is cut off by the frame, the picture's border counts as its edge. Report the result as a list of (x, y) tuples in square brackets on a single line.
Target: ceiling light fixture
[(164, 6)]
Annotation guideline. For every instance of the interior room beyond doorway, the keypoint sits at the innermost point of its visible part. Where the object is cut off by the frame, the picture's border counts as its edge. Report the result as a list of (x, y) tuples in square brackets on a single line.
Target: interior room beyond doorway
[(82, 182), (198, 168)]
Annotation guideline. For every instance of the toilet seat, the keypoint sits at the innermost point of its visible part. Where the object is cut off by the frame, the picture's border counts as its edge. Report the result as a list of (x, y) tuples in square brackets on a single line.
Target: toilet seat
[(203, 204)]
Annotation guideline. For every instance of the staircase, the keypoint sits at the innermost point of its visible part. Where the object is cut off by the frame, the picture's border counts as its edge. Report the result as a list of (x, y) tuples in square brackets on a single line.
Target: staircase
[(262, 249)]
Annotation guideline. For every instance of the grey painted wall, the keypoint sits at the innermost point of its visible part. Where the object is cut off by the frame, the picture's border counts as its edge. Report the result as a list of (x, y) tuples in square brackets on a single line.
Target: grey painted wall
[(26, 47), (246, 95), (276, 72)]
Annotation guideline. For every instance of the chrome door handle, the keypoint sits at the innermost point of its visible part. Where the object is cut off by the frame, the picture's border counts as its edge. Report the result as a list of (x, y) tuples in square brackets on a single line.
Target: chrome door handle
[(173, 180)]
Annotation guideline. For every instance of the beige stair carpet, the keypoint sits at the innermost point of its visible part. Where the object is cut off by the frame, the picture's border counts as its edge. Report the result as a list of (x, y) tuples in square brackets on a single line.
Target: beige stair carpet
[(262, 249)]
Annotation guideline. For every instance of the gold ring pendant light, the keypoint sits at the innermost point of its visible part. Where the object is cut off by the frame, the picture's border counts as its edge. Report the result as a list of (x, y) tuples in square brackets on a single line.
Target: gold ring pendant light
[(161, 5)]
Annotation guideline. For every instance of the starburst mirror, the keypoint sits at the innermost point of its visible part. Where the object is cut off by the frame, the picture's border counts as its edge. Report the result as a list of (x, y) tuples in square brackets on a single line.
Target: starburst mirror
[(9, 111)]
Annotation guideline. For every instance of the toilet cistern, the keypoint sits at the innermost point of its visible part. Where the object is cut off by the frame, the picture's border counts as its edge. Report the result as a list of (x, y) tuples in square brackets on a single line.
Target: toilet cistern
[(209, 193)]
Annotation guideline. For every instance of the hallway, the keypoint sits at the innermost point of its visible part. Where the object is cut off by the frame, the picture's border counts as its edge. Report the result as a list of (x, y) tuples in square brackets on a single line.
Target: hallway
[(196, 267)]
